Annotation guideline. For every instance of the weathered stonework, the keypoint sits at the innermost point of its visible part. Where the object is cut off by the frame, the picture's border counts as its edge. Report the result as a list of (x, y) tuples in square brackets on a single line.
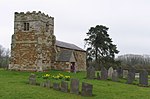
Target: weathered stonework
[(34, 46), (65, 66), (80, 60), (32, 49)]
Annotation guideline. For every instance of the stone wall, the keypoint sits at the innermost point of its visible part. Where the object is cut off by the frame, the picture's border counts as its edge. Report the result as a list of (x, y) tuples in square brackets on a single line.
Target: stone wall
[(80, 57), (65, 66), (81, 60), (32, 49)]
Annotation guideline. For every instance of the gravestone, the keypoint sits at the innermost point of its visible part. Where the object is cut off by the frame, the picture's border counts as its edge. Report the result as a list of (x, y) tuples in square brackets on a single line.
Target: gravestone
[(110, 72), (120, 72), (56, 86), (98, 76), (115, 76), (43, 84), (47, 84), (32, 79), (125, 74), (104, 73), (90, 72), (143, 80), (131, 76), (74, 86), (137, 75), (86, 89), (64, 86)]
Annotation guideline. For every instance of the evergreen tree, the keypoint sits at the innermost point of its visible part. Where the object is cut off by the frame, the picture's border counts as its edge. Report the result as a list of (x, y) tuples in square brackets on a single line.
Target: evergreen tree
[(99, 45)]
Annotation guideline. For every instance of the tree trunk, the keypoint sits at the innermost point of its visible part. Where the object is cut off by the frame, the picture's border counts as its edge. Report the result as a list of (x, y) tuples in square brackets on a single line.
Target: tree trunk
[(96, 54)]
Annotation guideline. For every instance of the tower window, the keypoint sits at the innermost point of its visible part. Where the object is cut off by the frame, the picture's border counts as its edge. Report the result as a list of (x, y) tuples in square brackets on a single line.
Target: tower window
[(26, 26)]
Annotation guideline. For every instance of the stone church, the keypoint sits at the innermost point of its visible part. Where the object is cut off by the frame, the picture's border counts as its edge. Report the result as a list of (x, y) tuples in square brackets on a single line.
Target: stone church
[(34, 46)]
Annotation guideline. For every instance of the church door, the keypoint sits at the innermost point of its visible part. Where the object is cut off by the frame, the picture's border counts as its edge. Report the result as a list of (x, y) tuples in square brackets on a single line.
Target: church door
[(72, 69)]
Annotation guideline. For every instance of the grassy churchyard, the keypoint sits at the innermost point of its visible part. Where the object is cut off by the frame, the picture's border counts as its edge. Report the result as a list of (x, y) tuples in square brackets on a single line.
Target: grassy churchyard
[(14, 85)]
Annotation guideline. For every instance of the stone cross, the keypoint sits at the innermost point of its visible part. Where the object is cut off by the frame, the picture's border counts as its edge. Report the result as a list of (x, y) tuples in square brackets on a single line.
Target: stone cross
[(104, 73), (86, 89), (32, 79), (74, 86), (64, 86), (90, 72), (143, 80), (110, 72), (115, 76)]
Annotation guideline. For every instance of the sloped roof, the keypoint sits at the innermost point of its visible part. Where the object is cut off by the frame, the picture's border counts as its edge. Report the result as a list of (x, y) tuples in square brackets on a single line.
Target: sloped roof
[(64, 56), (68, 45)]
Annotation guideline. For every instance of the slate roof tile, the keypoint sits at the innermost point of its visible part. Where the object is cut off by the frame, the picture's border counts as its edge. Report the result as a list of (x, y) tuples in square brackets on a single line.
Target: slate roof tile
[(68, 45)]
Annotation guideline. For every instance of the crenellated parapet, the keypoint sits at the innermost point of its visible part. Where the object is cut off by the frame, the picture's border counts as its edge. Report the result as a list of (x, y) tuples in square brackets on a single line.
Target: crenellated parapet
[(34, 16), (37, 21)]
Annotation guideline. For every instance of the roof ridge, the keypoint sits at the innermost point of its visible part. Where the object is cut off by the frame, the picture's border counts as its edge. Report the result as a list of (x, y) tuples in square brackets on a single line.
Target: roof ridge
[(68, 45)]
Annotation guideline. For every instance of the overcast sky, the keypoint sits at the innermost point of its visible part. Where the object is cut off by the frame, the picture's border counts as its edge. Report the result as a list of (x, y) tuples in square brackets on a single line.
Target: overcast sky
[(128, 20)]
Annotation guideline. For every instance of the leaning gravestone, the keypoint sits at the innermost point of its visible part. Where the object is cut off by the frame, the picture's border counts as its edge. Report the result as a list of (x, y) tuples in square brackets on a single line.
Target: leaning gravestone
[(64, 86), (90, 72), (74, 86), (115, 76), (120, 72), (131, 76), (86, 89), (56, 86), (32, 79), (125, 73), (143, 80), (110, 72), (104, 73)]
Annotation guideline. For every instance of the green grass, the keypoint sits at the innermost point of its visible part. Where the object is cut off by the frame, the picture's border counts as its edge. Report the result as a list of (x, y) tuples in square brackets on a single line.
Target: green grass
[(13, 85)]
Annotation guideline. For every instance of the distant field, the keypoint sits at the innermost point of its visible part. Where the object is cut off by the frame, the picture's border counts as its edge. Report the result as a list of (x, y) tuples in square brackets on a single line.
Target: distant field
[(13, 85)]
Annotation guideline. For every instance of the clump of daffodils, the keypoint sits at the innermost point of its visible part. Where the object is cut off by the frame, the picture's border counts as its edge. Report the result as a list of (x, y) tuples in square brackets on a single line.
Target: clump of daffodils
[(56, 77), (46, 76), (67, 78), (61, 76)]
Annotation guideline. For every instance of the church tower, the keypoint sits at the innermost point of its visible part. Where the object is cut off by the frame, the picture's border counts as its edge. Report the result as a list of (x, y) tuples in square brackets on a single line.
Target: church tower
[(33, 42)]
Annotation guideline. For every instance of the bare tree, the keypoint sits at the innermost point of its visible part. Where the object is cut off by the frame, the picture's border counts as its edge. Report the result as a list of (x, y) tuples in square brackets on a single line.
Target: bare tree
[(1, 55), (4, 57), (137, 61)]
